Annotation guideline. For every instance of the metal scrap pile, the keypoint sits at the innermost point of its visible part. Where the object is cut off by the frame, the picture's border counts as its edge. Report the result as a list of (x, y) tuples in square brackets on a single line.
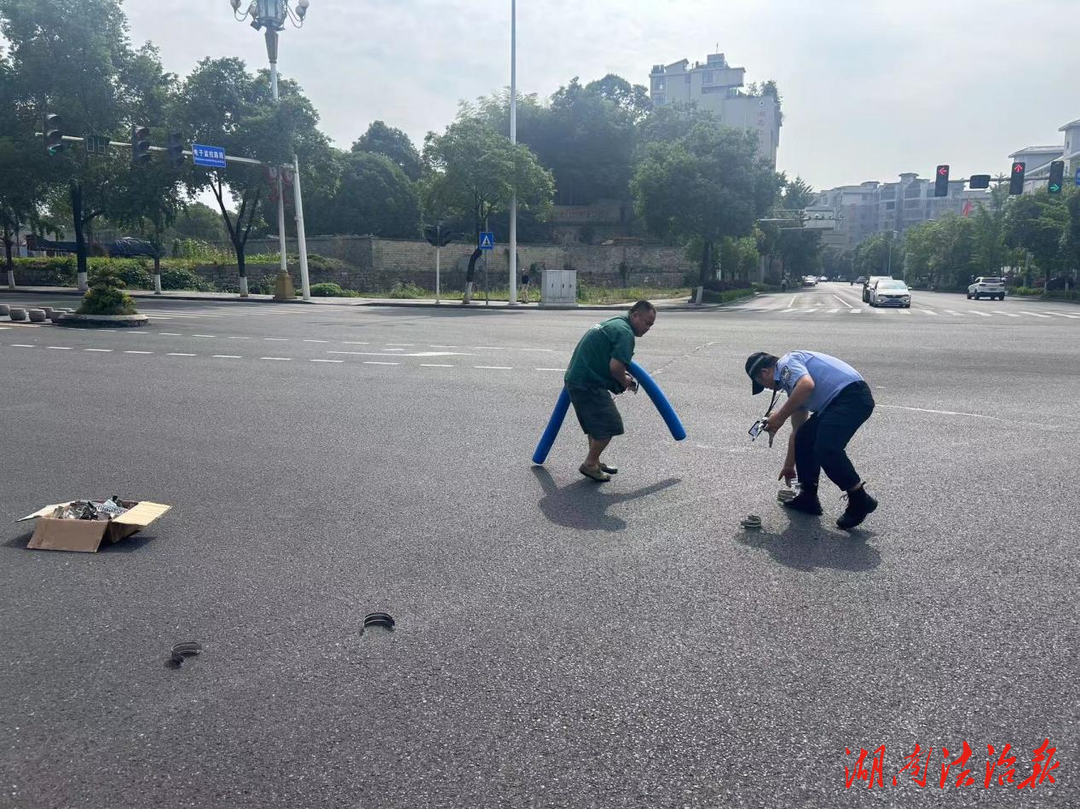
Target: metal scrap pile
[(90, 510)]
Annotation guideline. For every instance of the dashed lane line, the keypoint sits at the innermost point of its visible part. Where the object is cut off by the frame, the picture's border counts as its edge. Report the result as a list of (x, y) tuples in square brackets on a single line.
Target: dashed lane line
[(375, 362), (277, 359), (435, 365), (99, 350), (59, 348), (138, 352), (334, 361), (177, 354), (493, 367), (227, 357), (1007, 314)]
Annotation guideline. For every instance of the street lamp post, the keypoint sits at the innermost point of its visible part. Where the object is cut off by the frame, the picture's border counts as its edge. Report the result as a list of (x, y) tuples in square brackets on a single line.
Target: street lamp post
[(513, 140), (271, 15)]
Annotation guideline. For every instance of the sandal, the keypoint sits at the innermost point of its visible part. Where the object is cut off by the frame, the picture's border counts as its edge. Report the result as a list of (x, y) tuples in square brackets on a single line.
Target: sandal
[(599, 475), (611, 470)]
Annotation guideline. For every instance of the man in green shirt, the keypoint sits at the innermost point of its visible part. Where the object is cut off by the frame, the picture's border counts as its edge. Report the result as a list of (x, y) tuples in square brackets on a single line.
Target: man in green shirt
[(598, 369)]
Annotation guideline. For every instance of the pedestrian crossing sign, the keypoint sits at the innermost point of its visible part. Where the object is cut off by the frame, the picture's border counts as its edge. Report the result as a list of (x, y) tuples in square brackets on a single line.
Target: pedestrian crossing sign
[(487, 240)]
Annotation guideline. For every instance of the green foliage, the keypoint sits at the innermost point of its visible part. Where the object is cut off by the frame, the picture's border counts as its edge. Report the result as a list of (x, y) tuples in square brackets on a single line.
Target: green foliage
[(727, 296), (708, 185), (375, 197), (1040, 224), (106, 295), (183, 278), (327, 290), (473, 171), (391, 143), (406, 289)]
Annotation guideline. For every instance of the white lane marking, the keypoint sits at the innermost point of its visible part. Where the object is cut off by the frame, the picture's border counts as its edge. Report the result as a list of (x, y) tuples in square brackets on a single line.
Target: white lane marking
[(833, 311), (905, 311), (967, 415), (435, 365), (927, 311), (392, 350), (235, 338), (785, 311), (560, 370), (548, 350), (980, 314), (951, 312), (174, 354), (854, 311), (277, 359), (277, 339), (316, 341), (328, 361), (354, 343), (110, 331), (227, 357), (1033, 314), (138, 352), (876, 310), (99, 350), (792, 304), (204, 335), (407, 345), (21, 345), (1007, 314), (1062, 314), (59, 348), (490, 348), (430, 346), (374, 362), (494, 367), (848, 305), (170, 334)]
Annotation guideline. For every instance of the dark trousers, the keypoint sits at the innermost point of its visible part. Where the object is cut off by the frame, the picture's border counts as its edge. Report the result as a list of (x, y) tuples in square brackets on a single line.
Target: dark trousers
[(820, 442)]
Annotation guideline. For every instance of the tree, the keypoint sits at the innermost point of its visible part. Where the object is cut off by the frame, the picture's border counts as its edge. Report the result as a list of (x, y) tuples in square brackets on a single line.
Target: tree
[(799, 250), (1038, 223), (67, 58), (221, 103), (1071, 246), (473, 171), (199, 222), (394, 144), (707, 185), (632, 99), (880, 254), (990, 232), (375, 196)]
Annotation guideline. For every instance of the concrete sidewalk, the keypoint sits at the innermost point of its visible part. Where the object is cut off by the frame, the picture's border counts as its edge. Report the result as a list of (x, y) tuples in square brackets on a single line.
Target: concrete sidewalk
[(672, 304)]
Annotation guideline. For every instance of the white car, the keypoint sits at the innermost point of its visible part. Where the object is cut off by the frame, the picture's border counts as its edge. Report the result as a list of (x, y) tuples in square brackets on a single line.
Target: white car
[(890, 292), (809, 280), (823, 278), (985, 287)]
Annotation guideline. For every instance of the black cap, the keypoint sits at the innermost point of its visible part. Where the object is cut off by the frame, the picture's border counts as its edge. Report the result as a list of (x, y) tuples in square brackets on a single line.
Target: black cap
[(754, 363)]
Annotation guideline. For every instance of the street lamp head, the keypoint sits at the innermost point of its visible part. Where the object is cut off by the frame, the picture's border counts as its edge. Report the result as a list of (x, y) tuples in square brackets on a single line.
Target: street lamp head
[(235, 4), (301, 8)]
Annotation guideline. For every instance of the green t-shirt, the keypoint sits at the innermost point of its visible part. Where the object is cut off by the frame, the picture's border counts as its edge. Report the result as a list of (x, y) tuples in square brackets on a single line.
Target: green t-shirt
[(590, 367)]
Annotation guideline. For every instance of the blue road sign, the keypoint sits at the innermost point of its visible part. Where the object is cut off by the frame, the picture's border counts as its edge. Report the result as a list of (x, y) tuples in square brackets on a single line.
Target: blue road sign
[(212, 156), (487, 240), (1078, 176)]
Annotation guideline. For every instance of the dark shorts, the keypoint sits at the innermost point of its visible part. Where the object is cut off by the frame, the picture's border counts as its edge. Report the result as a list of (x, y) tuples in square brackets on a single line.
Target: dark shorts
[(596, 412)]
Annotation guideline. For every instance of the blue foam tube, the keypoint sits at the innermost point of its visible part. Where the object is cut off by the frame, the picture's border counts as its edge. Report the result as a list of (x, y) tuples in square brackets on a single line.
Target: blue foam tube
[(553, 427), (667, 412)]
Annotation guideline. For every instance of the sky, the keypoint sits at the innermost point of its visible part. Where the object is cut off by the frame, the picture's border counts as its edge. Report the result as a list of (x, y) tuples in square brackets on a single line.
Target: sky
[(870, 88)]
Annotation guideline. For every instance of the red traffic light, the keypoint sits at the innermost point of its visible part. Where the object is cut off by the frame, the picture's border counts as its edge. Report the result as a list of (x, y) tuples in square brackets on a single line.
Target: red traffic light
[(943, 171), (1018, 168)]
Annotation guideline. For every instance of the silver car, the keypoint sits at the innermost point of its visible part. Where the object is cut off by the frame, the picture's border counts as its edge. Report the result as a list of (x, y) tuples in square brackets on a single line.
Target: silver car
[(890, 292)]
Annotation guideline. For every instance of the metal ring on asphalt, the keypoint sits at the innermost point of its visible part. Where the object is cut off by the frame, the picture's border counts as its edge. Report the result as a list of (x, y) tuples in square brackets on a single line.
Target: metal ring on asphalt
[(184, 650), (383, 619)]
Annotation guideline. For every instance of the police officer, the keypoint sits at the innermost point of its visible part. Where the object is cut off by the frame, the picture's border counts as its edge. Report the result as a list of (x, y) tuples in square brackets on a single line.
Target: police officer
[(840, 401)]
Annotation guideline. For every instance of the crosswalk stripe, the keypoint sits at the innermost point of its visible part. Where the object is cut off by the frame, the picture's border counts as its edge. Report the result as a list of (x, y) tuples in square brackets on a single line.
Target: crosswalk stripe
[(1007, 314), (981, 314), (1034, 314)]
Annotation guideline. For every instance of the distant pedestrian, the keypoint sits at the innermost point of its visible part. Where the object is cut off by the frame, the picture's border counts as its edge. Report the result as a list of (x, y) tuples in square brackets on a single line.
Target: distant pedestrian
[(840, 401), (597, 369), (525, 285)]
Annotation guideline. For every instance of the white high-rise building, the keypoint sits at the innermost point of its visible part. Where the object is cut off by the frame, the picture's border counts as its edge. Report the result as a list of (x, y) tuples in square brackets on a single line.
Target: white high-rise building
[(716, 86)]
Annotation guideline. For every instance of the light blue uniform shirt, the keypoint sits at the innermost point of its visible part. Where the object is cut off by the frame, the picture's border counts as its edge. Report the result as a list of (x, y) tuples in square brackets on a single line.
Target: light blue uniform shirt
[(830, 376)]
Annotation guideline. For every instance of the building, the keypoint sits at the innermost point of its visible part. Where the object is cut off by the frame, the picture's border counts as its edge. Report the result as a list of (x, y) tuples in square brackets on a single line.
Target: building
[(873, 207), (717, 87), (1037, 159)]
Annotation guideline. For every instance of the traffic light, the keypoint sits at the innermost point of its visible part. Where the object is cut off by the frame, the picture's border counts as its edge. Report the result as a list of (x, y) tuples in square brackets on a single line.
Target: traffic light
[(174, 151), (140, 145), (1057, 176), (1016, 179), (54, 134), (941, 182), (979, 181), (438, 236)]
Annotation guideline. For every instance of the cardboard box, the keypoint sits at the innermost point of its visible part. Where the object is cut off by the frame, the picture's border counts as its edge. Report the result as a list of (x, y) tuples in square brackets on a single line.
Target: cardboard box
[(86, 536)]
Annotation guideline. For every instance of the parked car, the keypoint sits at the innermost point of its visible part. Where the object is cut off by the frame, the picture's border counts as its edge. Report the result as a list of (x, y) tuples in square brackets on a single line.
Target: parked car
[(985, 287), (890, 292), (860, 280), (873, 279), (809, 281), (823, 278)]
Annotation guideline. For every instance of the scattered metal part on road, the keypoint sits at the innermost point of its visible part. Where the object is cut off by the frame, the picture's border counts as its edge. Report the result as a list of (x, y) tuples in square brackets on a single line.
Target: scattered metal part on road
[(751, 523), (785, 495), (381, 619), (181, 651)]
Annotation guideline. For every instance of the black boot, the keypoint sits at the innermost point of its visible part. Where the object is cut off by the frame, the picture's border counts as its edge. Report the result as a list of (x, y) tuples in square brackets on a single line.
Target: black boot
[(805, 501), (859, 505)]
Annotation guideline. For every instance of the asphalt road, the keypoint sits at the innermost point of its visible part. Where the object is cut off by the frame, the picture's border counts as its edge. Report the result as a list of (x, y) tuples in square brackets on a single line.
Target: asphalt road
[(558, 642)]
